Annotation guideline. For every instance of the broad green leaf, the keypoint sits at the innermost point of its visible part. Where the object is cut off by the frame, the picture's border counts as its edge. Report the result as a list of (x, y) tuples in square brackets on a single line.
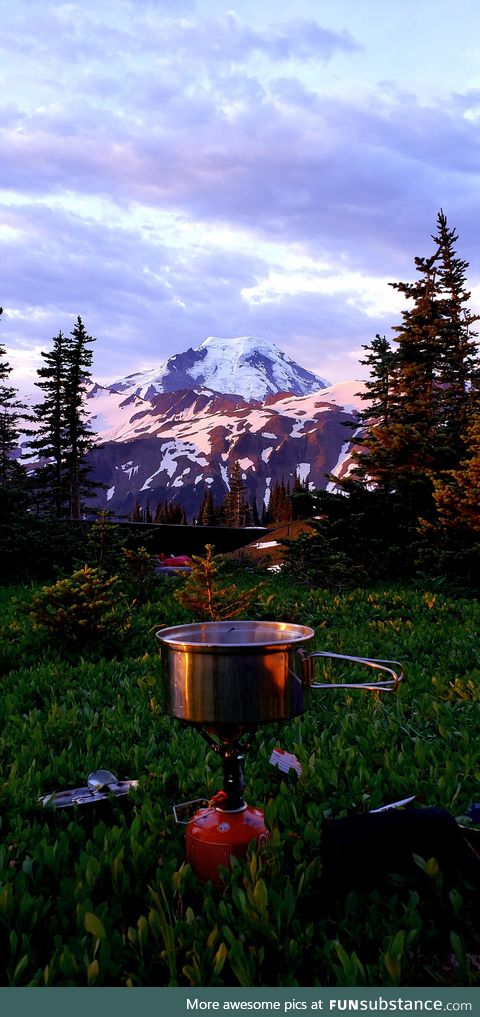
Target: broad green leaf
[(219, 959), (94, 925), (92, 972)]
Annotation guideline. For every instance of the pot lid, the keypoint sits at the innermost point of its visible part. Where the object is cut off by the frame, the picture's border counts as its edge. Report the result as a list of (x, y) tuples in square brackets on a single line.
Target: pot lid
[(231, 635)]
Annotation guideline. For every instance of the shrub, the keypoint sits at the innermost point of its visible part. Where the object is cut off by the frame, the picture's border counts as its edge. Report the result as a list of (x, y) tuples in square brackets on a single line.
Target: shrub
[(317, 558), (81, 607), (138, 573), (205, 595)]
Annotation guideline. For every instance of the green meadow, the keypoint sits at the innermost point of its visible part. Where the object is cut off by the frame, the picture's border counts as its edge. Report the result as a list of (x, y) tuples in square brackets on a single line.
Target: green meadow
[(103, 897)]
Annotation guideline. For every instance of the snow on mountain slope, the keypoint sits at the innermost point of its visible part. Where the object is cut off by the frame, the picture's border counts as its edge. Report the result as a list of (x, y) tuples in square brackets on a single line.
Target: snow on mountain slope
[(108, 411), (174, 432), (117, 417), (347, 394), (243, 365), (186, 441)]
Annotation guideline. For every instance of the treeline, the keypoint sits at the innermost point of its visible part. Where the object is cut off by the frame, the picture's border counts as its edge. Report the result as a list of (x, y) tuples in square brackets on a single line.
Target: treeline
[(411, 502), (285, 503), (237, 509), (165, 512)]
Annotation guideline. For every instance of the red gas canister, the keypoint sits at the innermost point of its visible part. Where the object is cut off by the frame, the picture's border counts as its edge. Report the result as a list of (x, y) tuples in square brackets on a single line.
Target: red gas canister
[(213, 835)]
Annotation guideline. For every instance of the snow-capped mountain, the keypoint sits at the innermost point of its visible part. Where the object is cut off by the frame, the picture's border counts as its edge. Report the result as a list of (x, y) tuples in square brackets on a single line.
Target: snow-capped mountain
[(173, 432), (183, 442), (244, 365)]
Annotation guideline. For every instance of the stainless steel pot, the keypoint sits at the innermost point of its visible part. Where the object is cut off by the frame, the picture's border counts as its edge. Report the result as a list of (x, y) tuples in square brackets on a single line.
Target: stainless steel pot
[(248, 672)]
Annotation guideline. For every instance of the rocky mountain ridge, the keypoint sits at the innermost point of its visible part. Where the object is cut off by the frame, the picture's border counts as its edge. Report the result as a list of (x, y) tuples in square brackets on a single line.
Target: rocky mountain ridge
[(180, 443), (166, 435)]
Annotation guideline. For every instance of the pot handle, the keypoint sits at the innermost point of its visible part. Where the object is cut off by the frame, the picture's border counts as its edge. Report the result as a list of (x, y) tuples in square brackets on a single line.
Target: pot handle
[(389, 684)]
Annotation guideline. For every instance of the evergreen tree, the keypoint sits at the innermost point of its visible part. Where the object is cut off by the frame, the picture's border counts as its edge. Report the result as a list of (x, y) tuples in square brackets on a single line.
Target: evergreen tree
[(136, 515), (457, 360), (457, 492), (62, 437), (103, 545), (417, 440), (206, 515), (202, 509), (206, 594), (419, 391), (378, 394), (280, 503), (236, 508), (50, 443), (12, 473), (15, 539), (80, 437), (303, 500), (401, 452), (380, 360)]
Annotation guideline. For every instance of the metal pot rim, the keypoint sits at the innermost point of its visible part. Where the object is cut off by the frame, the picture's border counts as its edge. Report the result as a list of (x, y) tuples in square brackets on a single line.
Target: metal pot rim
[(205, 637)]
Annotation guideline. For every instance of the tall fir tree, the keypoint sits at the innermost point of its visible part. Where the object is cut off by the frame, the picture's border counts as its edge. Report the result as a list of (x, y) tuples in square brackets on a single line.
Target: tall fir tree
[(380, 360), (419, 391), (372, 455), (61, 435), (50, 441), (136, 515), (400, 455), (280, 503), (206, 515), (457, 366), (80, 437), (236, 507), (12, 473), (302, 500)]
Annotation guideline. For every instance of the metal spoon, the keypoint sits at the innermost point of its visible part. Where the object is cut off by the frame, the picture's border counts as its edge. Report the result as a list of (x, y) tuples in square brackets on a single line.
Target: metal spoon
[(101, 779)]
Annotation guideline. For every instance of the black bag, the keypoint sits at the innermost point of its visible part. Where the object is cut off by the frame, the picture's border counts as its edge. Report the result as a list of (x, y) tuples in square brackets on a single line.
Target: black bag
[(360, 851)]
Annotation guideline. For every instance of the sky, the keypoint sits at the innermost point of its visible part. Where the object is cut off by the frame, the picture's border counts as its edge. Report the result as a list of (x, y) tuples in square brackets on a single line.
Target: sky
[(172, 169)]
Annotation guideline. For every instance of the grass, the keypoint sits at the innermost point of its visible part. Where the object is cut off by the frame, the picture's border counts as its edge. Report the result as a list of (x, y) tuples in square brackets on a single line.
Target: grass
[(104, 897)]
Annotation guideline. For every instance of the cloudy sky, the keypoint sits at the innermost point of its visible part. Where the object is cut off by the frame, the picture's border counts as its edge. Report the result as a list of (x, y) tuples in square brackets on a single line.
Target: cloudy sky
[(172, 169)]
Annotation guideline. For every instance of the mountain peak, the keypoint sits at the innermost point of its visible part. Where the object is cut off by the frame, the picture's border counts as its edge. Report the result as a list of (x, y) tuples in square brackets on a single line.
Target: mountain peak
[(240, 346), (241, 365)]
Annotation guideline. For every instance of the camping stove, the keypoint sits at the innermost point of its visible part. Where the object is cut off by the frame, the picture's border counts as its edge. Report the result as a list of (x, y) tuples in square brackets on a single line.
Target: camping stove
[(226, 679), (223, 825)]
